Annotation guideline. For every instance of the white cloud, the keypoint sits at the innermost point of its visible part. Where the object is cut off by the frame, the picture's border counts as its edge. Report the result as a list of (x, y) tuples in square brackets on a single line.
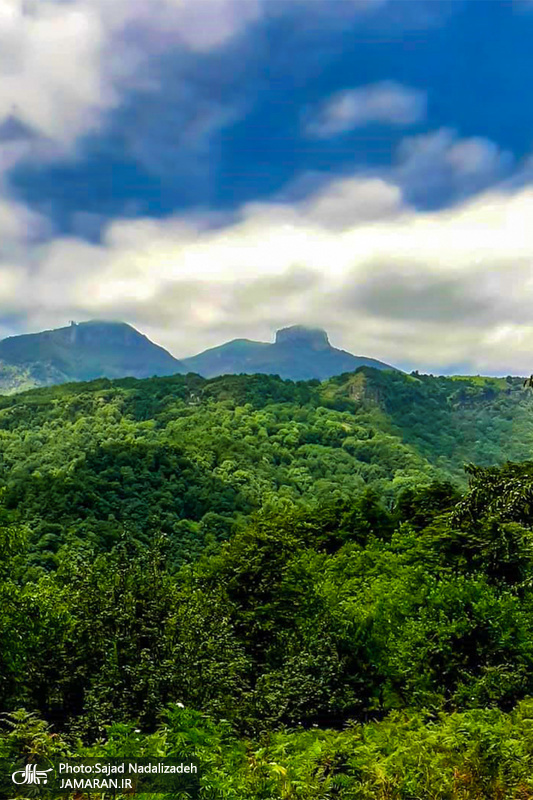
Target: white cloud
[(424, 289), (51, 69), (387, 103), (204, 24), (347, 202), (189, 285), (65, 64)]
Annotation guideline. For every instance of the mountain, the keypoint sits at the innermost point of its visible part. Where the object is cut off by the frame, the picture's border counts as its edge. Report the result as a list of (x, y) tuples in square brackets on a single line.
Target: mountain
[(299, 353), (88, 350), (81, 352)]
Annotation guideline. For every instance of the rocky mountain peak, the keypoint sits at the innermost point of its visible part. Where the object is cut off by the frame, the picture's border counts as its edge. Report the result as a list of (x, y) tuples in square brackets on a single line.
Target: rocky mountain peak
[(301, 336)]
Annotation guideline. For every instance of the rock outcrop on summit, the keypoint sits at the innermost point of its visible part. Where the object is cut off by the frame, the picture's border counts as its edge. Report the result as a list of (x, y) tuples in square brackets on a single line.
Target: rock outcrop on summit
[(298, 353)]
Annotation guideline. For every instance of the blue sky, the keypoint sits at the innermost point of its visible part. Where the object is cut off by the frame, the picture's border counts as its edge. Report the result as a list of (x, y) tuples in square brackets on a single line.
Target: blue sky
[(470, 58), (208, 169)]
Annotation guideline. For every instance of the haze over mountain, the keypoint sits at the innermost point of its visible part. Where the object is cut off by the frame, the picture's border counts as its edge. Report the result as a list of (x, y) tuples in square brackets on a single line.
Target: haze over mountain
[(87, 350), (82, 351), (298, 353)]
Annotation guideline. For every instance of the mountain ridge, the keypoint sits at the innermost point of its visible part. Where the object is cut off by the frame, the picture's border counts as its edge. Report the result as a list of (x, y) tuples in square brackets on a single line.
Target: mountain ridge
[(114, 349), (298, 353)]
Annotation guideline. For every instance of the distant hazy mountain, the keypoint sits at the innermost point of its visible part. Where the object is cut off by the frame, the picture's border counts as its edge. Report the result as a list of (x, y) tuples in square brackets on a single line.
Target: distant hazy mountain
[(81, 352), (299, 353), (87, 350)]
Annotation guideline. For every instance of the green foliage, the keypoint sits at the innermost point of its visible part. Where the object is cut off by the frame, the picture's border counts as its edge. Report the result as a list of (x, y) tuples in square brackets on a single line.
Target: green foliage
[(280, 579), (92, 460), (460, 756)]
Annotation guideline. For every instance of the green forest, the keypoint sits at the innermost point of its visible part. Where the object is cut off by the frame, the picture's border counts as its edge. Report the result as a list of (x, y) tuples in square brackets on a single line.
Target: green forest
[(320, 591)]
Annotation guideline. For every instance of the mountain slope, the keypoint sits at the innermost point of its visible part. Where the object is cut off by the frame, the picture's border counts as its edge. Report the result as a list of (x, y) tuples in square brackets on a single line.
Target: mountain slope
[(299, 353), (81, 351), (228, 445)]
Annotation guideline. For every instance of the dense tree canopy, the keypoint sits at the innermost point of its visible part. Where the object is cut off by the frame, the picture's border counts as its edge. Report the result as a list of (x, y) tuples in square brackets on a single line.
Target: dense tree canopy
[(292, 582)]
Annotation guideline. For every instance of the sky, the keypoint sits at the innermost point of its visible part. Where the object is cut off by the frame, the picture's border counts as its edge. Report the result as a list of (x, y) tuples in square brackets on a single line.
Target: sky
[(215, 169)]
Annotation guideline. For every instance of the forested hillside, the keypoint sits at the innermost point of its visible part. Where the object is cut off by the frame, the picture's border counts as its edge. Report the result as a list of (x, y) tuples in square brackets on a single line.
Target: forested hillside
[(297, 583), (192, 458)]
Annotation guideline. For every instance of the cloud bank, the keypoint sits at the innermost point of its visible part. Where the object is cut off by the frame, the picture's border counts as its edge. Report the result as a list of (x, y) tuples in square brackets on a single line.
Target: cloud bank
[(363, 253), (418, 289)]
